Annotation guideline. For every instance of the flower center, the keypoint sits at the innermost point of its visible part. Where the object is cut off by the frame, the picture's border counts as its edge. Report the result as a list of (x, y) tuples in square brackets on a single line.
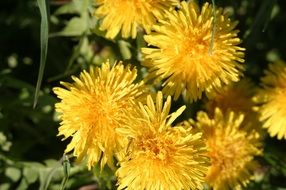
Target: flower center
[(196, 47), (224, 152), (98, 109), (156, 148)]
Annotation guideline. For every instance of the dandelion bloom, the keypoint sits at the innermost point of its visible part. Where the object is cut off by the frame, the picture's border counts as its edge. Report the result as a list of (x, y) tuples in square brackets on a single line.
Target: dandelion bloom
[(236, 97), (272, 100), (127, 15), (160, 156), (232, 148), (188, 56), (93, 106)]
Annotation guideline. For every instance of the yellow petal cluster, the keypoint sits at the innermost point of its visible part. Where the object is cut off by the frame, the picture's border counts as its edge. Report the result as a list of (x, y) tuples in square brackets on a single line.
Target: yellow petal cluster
[(128, 15), (93, 106), (271, 100), (193, 54), (232, 148), (160, 156)]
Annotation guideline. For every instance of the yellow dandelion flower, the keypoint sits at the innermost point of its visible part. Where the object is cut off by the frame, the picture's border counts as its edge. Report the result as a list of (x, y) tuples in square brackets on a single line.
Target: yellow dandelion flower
[(186, 56), (236, 97), (272, 100), (160, 156), (92, 107), (231, 147), (127, 15)]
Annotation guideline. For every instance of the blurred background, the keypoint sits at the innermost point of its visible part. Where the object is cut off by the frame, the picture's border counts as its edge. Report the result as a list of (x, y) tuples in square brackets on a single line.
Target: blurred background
[(31, 154)]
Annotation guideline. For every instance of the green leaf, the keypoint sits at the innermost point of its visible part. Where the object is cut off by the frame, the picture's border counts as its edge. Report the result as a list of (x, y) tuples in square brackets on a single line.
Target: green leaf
[(74, 7), (105, 177), (46, 175), (52, 163), (82, 5), (30, 174), (261, 21), (270, 14), (5, 186), (75, 27), (23, 185), (66, 9), (43, 4), (13, 173), (4, 143), (124, 48)]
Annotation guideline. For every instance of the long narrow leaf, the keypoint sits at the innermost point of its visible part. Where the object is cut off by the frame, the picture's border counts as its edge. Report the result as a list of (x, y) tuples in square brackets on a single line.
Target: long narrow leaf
[(269, 17), (43, 6), (260, 23)]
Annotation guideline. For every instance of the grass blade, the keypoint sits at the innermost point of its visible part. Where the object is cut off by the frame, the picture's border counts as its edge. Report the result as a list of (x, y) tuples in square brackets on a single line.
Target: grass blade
[(43, 6), (260, 23)]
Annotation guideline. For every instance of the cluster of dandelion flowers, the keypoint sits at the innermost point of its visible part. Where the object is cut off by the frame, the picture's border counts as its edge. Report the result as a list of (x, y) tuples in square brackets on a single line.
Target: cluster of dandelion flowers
[(193, 54), (127, 15), (272, 100), (160, 156), (93, 106), (232, 148)]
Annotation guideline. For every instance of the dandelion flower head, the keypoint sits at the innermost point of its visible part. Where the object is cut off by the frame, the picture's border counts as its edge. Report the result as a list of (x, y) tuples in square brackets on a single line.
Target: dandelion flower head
[(160, 156), (271, 100), (191, 54), (93, 106), (232, 148), (127, 15), (236, 97)]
